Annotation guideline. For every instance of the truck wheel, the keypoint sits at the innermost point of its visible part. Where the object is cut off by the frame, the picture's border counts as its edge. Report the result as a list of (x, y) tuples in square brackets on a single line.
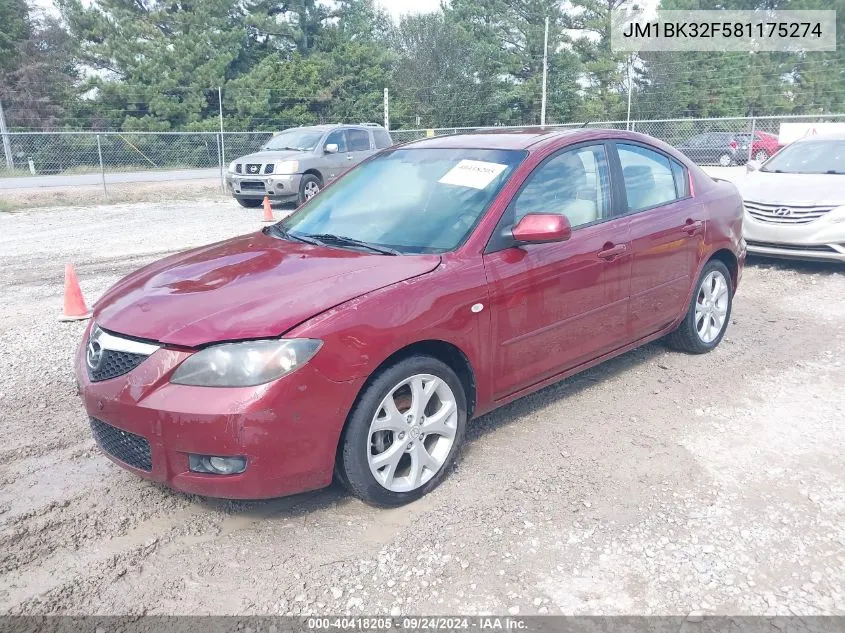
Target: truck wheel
[(309, 187)]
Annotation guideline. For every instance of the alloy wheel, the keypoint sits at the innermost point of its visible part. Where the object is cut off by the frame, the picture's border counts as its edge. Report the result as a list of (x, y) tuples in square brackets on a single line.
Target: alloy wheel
[(711, 306), (761, 155), (311, 189), (412, 433), (725, 160)]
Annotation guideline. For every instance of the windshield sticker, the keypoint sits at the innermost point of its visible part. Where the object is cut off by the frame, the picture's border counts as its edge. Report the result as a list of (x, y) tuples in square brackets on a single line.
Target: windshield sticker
[(472, 173)]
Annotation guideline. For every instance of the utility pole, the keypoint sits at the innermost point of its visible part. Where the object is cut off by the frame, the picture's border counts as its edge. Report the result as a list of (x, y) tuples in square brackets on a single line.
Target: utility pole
[(545, 74), (7, 145), (386, 111), (630, 91)]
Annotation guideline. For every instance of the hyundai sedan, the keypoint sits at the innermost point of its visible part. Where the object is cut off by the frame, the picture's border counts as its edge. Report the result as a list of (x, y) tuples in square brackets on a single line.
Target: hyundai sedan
[(433, 283)]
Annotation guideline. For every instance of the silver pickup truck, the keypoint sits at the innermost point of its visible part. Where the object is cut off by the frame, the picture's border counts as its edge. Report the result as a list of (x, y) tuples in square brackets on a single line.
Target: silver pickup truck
[(296, 163)]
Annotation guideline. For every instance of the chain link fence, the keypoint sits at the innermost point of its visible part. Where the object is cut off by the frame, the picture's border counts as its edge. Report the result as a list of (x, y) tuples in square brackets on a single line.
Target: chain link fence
[(707, 141), (208, 153)]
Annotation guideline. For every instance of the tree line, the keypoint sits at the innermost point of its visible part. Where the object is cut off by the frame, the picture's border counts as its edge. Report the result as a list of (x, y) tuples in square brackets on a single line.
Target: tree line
[(157, 65)]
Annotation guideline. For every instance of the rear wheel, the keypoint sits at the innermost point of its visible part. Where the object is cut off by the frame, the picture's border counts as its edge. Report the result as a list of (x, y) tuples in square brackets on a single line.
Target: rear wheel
[(726, 160), (403, 433), (249, 203), (709, 311)]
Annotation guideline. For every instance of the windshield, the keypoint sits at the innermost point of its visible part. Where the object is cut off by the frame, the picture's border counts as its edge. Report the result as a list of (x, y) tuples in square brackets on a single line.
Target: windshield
[(409, 200), (297, 138), (810, 157)]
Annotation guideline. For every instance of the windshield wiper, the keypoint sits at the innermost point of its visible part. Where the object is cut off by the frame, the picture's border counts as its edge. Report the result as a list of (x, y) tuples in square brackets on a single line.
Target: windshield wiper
[(278, 231), (341, 240)]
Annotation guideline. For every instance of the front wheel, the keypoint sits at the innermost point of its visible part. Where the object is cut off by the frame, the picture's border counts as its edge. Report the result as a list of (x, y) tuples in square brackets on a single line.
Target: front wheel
[(403, 433), (761, 156), (709, 311), (309, 186)]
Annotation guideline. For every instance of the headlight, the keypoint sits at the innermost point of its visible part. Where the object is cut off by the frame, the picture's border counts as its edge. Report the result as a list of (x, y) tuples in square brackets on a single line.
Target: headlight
[(232, 166), (286, 167), (245, 364)]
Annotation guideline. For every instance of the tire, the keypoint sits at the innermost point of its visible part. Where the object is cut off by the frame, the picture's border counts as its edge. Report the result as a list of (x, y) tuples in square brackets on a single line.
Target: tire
[(688, 337), (306, 188), (761, 155), (404, 476), (726, 160), (250, 203)]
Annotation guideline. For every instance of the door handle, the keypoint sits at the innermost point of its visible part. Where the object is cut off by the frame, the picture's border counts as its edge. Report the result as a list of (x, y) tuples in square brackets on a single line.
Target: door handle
[(349, 157), (692, 227), (610, 251)]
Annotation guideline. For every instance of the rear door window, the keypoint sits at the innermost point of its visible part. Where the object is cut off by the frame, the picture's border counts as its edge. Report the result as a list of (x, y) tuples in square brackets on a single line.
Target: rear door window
[(648, 176), (359, 140)]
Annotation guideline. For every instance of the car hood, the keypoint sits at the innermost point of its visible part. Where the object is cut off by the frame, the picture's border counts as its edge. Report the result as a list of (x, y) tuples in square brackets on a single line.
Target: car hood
[(271, 155), (253, 286), (797, 189)]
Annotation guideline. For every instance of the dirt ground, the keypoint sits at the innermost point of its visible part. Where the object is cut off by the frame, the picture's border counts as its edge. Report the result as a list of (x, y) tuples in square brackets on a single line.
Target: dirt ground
[(657, 483)]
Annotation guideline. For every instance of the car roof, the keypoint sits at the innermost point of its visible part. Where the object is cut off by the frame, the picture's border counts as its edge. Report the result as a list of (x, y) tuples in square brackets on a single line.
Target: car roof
[(534, 139), (510, 138), (834, 136)]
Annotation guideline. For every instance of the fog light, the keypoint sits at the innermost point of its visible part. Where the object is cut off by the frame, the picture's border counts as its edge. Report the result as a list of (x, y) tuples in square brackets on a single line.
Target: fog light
[(216, 465)]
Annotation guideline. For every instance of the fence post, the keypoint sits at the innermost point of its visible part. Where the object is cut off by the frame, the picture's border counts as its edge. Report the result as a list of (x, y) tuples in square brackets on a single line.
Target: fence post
[(7, 146), (102, 167), (751, 140), (222, 140)]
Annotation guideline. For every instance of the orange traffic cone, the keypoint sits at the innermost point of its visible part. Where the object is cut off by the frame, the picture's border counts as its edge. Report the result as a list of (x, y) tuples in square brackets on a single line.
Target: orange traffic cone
[(75, 308), (268, 211)]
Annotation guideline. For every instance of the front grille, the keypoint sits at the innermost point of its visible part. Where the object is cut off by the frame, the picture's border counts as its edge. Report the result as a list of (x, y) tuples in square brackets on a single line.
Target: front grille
[(816, 248), (268, 169), (113, 364), (239, 168), (127, 447), (785, 214), (253, 169), (252, 185)]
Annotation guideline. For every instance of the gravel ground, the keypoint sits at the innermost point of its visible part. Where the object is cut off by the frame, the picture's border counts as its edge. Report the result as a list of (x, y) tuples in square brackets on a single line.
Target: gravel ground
[(657, 483)]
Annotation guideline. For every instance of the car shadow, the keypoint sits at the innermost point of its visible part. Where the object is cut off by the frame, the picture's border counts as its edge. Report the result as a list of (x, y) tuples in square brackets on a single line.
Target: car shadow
[(797, 265), (593, 377)]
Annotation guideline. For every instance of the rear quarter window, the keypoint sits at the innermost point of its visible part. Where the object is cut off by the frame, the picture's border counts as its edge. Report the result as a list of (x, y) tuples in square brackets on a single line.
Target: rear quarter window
[(382, 138)]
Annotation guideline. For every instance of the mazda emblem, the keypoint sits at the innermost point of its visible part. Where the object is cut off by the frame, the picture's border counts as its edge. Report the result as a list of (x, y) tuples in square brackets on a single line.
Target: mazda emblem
[(94, 355)]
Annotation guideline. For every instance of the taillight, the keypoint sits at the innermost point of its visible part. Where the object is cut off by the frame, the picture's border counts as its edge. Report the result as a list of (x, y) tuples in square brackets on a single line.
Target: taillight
[(732, 145)]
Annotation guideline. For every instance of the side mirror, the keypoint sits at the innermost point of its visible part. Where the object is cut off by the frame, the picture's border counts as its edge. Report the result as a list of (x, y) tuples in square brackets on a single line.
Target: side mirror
[(541, 228), (331, 148), (752, 165)]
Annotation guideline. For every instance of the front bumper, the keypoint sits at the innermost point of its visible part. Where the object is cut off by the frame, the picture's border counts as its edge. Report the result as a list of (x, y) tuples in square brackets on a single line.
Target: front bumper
[(820, 240), (260, 185), (288, 429)]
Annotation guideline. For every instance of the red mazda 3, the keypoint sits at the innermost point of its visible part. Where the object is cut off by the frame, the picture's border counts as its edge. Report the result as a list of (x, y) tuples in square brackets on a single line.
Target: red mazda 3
[(434, 282)]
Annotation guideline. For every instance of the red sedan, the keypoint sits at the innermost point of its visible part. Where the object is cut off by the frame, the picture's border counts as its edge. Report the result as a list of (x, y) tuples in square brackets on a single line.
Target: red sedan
[(431, 284)]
